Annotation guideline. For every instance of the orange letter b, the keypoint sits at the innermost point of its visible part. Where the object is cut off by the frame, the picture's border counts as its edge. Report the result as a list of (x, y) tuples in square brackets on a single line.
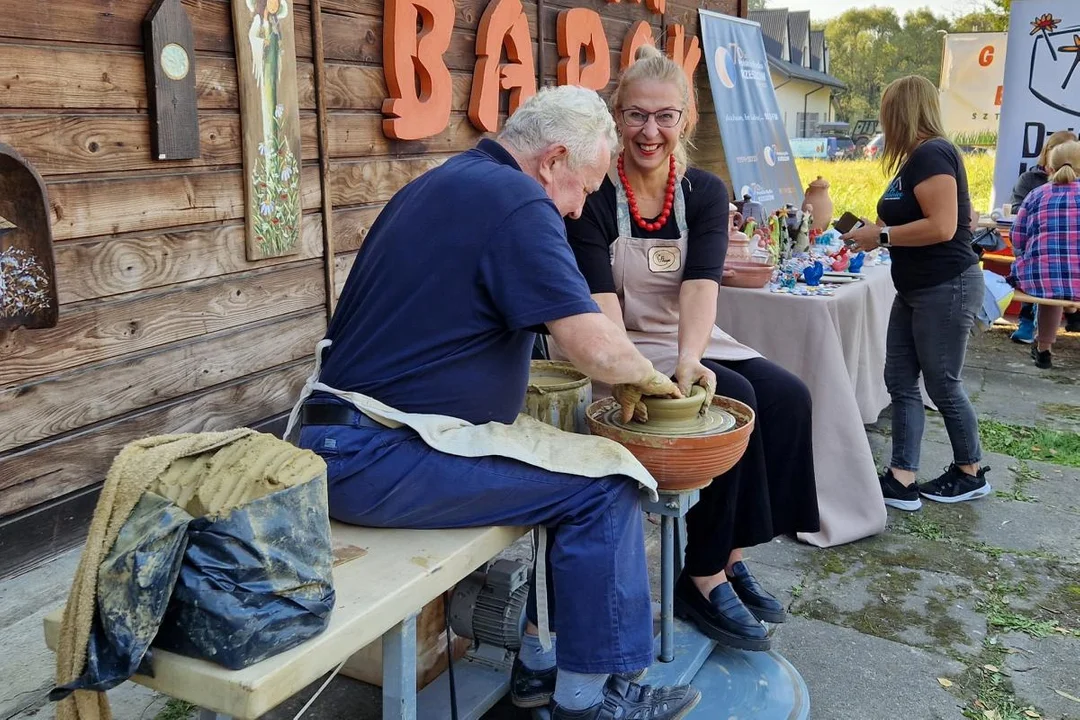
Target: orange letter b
[(411, 58)]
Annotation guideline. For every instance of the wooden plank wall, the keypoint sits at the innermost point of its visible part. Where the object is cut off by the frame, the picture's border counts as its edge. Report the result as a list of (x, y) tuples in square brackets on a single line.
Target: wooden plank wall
[(165, 326)]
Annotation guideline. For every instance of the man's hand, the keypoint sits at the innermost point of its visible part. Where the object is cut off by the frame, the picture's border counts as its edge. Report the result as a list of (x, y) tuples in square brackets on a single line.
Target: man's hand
[(692, 372), (629, 395)]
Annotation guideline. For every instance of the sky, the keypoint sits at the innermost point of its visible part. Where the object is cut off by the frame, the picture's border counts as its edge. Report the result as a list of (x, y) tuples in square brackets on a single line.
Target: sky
[(821, 10)]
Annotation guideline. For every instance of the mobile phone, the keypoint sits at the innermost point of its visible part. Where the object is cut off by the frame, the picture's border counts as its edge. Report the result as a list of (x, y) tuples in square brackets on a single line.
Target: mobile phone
[(848, 222)]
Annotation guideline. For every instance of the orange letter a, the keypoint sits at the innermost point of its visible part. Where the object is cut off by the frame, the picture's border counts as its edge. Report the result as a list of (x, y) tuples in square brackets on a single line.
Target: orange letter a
[(503, 25), (410, 56)]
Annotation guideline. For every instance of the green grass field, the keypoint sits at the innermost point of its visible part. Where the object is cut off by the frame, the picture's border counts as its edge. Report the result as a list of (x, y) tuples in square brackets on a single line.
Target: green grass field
[(856, 185)]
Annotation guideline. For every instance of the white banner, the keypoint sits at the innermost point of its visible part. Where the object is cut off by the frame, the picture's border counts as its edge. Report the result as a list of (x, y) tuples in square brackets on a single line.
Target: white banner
[(1042, 86), (972, 73)]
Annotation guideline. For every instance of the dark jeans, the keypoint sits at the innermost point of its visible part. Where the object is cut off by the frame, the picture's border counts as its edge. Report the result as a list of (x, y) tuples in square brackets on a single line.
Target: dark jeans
[(596, 560), (928, 334)]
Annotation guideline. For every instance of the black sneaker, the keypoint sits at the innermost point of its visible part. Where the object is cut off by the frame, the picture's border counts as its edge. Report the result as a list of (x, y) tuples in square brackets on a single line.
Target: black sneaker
[(628, 701), (1072, 322), (955, 485), (535, 688), (1042, 358), (898, 495)]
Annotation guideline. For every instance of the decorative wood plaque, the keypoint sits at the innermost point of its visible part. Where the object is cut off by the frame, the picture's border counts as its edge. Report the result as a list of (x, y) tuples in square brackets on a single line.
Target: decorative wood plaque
[(169, 50), (28, 295), (270, 123)]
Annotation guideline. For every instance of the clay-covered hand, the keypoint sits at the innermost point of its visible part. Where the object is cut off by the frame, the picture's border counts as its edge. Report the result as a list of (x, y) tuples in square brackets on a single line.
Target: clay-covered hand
[(692, 372), (866, 237), (629, 395)]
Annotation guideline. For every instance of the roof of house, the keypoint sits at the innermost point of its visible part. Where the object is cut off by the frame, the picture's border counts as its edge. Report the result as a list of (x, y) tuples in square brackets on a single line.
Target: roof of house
[(798, 72), (798, 27), (774, 29), (817, 49), (779, 30)]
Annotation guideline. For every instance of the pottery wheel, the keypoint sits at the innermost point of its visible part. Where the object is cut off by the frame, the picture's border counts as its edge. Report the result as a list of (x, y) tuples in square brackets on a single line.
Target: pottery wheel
[(714, 422)]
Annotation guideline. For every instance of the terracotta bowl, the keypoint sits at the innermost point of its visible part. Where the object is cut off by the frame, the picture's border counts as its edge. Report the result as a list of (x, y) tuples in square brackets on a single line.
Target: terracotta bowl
[(748, 274), (680, 463)]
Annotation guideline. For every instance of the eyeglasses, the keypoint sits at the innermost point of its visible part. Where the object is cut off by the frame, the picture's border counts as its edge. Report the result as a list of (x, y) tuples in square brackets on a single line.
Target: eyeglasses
[(666, 118)]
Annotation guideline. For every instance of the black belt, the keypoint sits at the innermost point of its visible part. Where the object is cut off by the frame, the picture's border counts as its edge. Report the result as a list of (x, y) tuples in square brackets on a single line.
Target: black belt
[(334, 414)]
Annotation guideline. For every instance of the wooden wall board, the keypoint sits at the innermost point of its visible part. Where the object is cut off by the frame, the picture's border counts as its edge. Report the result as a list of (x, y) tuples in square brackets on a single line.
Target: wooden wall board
[(81, 459), (67, 401), (94, 331), (119, 22), (133, 203), (110, 265), (358, 135), (342, 266), (351, 226), (77, 144), (371, 181), (37, 77)]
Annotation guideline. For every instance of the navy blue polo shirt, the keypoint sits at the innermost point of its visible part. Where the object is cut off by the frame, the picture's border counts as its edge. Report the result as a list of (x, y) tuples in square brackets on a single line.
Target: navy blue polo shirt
[(438, 313)]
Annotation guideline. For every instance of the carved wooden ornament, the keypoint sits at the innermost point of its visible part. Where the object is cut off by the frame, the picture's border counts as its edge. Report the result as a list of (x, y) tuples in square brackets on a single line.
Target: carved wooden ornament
[(640, 34), (412, 57), (503, 25), (582, 28), (169, 50), (28, 296)]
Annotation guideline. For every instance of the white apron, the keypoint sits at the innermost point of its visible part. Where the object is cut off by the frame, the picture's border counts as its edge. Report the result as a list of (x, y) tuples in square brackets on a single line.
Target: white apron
[(648, 275), (527, 440)]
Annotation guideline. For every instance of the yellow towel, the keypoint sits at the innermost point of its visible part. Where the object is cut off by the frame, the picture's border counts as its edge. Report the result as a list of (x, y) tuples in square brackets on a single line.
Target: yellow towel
[(137, 466)]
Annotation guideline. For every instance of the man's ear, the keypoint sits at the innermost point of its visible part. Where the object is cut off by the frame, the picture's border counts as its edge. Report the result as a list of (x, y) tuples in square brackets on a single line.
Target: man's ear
[(548, 161)]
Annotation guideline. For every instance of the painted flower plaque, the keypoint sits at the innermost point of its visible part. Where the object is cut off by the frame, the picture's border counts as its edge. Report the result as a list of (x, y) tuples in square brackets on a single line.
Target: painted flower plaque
[(270, 119)]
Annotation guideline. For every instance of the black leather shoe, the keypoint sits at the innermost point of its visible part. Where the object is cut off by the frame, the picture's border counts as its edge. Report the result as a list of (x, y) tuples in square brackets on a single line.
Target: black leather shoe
[(531, 688), (535, 688), (624, 700), (763, 605), (723, 617)]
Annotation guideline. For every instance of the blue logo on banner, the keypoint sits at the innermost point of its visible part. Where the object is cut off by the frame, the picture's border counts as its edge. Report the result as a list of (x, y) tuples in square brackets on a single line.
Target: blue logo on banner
[(755, 140)]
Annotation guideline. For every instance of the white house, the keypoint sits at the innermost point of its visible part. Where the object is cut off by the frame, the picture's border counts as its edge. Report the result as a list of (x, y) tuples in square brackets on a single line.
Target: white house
[(799, 65)]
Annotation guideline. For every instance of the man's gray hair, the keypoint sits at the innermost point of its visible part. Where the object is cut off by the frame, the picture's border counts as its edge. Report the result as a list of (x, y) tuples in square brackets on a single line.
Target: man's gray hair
[(572, 116)]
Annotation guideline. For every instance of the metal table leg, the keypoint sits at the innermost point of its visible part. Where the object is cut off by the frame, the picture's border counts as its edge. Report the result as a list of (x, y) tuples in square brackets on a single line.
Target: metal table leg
[(667, 588), (399, 671)]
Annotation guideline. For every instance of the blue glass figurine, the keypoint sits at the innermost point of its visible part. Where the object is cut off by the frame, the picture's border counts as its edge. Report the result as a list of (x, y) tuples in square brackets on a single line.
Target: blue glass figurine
[(856, 263), (812, 274)]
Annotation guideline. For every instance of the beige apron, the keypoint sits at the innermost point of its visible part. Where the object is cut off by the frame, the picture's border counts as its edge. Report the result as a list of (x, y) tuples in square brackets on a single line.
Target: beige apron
[(648, 276), (527, 440)]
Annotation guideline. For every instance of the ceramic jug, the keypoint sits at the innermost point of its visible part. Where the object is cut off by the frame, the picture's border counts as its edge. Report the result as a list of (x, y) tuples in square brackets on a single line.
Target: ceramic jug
[(817, 195)]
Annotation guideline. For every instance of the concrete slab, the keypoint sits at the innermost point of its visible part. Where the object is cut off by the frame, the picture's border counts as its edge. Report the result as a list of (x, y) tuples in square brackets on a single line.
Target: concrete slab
[(852, 676), (1041, 669)]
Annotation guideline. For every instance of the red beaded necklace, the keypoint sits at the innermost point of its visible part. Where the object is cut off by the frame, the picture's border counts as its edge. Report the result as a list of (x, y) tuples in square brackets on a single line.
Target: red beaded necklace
[(669, 198)]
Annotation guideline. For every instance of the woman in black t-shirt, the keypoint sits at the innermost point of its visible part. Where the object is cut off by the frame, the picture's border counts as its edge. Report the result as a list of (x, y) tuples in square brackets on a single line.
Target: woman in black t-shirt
[(924, 220), (651, 244)]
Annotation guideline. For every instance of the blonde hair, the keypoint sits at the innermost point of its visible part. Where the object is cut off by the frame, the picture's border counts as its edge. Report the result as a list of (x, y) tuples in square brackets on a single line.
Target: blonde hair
[(650, 64), (1065, 159), (910, 114), (1059, 138)]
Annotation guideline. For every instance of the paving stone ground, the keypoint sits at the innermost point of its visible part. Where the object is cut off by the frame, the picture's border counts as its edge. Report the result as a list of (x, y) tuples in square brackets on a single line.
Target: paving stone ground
[(984, 596)]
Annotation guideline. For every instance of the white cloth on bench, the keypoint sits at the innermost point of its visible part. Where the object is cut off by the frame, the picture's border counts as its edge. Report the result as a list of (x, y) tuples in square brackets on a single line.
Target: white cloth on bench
[(527, 440)]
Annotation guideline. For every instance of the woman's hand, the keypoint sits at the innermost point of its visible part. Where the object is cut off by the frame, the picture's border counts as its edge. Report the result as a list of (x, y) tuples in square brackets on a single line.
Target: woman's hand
[(691, 372), (867, 237)]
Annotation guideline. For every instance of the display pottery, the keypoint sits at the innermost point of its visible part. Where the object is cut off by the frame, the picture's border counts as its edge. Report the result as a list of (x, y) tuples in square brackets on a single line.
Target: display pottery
[(747, 274), (817, 195), (812, 273), (678, 462)]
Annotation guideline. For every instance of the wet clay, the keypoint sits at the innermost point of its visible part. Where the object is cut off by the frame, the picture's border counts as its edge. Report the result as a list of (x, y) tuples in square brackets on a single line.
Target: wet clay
[(214, 483), (675, 412)]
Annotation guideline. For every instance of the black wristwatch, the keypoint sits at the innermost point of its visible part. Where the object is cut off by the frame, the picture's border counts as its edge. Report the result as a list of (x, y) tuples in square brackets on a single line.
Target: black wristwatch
[(883, 237)]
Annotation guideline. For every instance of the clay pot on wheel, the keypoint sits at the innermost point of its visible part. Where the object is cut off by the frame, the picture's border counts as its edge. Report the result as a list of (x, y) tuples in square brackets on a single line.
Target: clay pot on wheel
[(817, 194)]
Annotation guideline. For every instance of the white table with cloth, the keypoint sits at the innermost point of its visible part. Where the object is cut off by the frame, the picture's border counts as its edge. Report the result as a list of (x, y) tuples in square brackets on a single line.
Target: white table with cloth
[(836, 344)]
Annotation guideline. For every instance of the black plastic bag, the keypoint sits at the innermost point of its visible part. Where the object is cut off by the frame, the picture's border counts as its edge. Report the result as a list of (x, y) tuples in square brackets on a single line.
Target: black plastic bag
[(232, 590)]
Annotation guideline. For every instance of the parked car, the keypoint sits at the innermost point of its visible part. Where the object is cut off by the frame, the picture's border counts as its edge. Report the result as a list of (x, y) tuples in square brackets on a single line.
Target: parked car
[(864, 130), (873, 149), (841, 148)]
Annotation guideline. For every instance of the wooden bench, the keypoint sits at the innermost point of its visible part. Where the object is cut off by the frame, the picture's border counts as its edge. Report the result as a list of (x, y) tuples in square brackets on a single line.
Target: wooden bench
[(382, 579), (1023, 297)]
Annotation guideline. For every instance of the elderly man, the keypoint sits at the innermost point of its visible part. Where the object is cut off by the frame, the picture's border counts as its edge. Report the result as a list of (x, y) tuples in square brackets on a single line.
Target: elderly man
[(434, 333)]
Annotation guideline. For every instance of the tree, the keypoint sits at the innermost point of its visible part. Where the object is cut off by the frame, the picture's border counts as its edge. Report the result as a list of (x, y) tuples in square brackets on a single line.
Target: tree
[(919, 45), (863, 54), (758, 5)]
